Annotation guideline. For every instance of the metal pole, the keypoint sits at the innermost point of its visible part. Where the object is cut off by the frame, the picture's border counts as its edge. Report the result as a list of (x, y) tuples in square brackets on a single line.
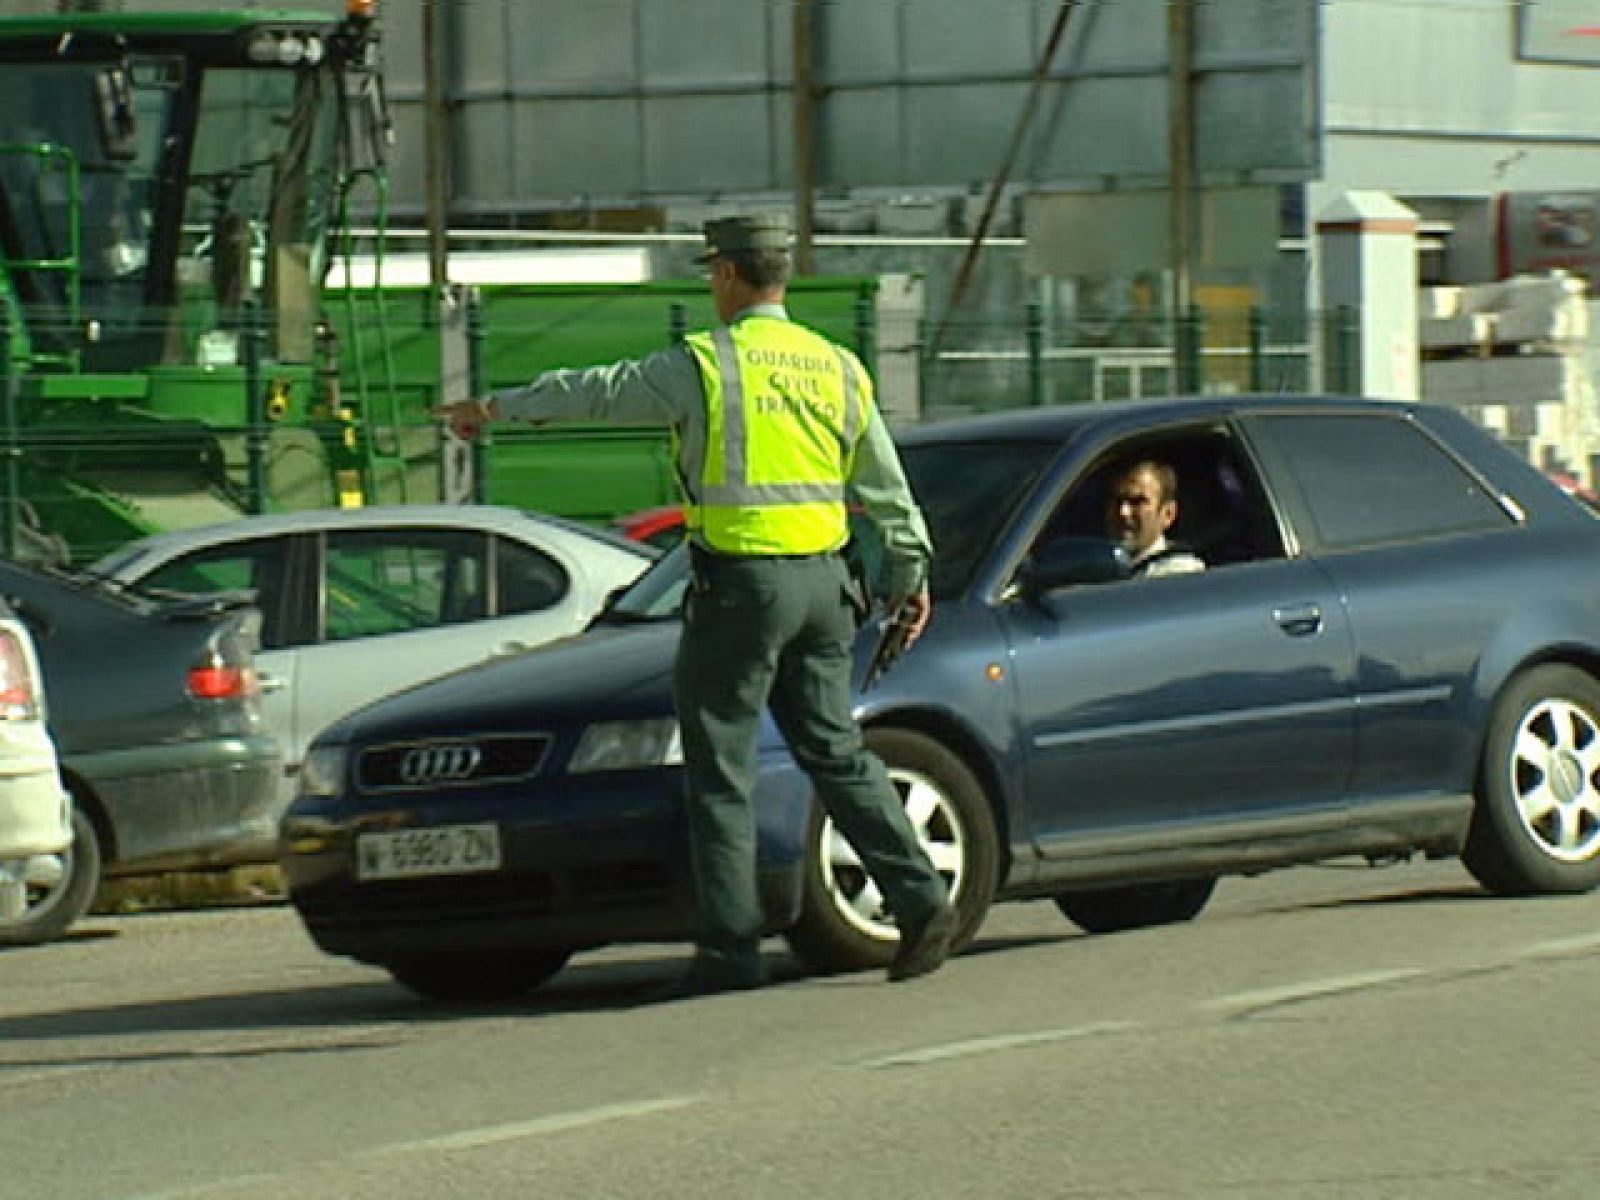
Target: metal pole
[(1180, 143), (923, 361), (805, 136), (677, 321), (1035, 338), (13, 469), (1258, 349), (1346, 351), (866, 329), (478, 385), (1187, 352), (255, 435), (433, 152)]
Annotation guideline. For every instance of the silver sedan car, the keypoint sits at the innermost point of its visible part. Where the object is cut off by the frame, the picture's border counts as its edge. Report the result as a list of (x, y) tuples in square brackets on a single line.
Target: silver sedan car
[(359, 603)]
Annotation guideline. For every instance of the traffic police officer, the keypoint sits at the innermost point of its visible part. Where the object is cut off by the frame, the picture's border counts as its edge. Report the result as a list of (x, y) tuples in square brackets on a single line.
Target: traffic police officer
[(775, 430)]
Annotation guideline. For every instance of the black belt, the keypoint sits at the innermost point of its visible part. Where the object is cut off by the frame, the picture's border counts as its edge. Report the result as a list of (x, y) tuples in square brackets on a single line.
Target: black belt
[(710, 558)]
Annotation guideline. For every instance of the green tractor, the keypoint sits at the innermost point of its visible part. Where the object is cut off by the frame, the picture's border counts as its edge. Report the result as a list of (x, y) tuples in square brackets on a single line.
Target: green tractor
[(172, 187)]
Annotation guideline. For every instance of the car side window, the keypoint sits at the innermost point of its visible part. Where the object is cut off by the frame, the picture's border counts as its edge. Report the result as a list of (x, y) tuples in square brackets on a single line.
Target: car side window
[(525, 579), (1223, 515), (383, 581), (1369, 480), (256, 566)]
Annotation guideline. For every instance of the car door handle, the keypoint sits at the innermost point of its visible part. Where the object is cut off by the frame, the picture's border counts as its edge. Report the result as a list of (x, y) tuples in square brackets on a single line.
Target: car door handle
[(1299, 620), (505, 648), (269, 683)]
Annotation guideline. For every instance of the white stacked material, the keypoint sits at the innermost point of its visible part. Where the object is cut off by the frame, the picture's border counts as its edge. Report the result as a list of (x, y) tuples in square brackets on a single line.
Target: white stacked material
[(1462, 330), (1509, 381), (1439, 303), (1543, 405), (1542, 312)]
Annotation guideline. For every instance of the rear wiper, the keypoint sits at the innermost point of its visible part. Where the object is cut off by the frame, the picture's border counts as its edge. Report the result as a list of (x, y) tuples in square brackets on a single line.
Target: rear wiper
[(188, 605)]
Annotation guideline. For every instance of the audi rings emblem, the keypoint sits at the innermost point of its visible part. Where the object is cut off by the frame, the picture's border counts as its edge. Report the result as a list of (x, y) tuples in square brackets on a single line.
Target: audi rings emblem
[(439, 764)]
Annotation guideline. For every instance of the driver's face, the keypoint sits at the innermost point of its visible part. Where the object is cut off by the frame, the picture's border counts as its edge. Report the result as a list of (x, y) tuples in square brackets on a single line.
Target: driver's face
[(1136, 515)]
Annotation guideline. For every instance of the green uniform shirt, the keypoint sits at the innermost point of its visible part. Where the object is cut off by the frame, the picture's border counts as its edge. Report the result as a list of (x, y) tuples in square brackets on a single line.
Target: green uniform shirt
[(665, 387)]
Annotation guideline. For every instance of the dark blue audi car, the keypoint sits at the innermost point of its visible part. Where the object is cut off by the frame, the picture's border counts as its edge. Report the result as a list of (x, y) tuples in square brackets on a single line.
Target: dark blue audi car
[(1393, 650)]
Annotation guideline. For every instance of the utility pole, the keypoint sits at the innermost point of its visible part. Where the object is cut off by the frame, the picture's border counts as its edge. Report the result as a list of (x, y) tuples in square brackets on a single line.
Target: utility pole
[(1180, 141), (805, 136), (997, 185), (434, 161)]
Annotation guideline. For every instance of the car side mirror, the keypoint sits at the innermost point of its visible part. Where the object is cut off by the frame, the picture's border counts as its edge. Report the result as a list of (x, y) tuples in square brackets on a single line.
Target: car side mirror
[(1071, 561)]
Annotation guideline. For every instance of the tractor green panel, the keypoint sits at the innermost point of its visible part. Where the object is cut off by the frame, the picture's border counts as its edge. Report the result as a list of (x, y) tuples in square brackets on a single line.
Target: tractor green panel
[(108, 458), (90, 387), (587, 472)]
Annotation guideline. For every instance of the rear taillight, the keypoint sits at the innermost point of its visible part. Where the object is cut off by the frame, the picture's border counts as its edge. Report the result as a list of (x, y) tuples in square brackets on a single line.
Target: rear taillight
[(19, 687), (221, 681)]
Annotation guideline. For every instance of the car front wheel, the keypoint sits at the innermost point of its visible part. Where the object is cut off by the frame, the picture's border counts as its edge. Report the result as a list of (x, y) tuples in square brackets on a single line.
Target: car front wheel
[(1536, 824), (476, 979), (845, 924), (1135, 906), (41, 897)]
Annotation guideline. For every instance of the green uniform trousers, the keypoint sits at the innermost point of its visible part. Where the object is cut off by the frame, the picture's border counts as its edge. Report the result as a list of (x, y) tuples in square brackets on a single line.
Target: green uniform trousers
[(777, 632)]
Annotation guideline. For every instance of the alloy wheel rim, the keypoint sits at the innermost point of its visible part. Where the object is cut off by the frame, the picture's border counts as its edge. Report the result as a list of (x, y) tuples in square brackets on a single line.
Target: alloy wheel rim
[(1554, 765), (939, 831)]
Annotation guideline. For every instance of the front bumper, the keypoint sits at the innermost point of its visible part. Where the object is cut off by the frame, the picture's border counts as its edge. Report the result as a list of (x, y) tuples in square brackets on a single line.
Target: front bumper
[(586, 861)]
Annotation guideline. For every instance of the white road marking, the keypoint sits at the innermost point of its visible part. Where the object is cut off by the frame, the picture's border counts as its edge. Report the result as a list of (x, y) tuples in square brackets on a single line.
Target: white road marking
[(492, 1134), (1566, 945), (1311, 989), (23, 1077), (467, 1139), (988, 1045), (231, 1184)]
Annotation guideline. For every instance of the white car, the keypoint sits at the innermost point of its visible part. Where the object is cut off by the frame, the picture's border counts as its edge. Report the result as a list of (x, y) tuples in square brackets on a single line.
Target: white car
[(359, 603), (35, 810)]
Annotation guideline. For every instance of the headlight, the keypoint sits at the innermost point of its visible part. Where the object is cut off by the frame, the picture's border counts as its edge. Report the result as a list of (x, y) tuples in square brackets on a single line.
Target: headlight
[(322, 773), (627, 745)]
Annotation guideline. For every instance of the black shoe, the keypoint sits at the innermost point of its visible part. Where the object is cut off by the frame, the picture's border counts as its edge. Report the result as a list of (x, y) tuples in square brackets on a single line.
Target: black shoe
[(924, 947), (708, 977)]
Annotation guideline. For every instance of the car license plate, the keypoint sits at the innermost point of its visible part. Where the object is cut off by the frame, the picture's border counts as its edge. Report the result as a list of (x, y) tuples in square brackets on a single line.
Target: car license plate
[(445, 850)]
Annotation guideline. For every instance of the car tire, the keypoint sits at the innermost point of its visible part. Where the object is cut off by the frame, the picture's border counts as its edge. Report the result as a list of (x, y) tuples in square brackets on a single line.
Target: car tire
[(1536, 823), (844, 924), (476, 979), (53, 907), (1136, 906)]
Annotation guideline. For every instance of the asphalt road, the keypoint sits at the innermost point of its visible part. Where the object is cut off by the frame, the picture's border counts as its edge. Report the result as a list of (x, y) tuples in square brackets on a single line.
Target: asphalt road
[(1322, 1033)]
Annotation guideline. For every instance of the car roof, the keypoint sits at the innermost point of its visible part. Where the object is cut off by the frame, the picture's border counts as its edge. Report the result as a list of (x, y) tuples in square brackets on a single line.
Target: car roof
[(1062, 422), (491, 517)]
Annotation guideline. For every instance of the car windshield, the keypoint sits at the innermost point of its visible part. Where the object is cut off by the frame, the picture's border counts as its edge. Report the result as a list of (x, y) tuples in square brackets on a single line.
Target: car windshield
[(967, 490)]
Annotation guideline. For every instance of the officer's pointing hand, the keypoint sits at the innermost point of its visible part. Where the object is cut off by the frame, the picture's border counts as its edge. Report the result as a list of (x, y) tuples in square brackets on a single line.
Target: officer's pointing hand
[(467, 418)]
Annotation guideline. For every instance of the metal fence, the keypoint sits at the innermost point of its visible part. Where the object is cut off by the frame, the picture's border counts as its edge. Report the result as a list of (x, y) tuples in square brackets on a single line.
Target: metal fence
[(1029, 360)]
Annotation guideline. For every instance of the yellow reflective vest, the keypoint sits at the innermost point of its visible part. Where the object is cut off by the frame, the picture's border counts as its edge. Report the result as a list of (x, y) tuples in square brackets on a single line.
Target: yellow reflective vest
[(785, 409)]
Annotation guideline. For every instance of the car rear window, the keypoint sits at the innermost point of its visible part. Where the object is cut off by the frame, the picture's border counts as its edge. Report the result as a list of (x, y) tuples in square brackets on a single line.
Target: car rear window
[(1371, 480)]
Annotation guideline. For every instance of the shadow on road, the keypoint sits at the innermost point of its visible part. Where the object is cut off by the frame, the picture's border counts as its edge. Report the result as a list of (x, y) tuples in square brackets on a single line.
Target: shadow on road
[(341, 1016), (581, 987), (1435, 895)]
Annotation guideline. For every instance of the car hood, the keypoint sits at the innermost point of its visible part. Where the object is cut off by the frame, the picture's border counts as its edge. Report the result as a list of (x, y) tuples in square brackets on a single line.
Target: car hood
[(620, 671)]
